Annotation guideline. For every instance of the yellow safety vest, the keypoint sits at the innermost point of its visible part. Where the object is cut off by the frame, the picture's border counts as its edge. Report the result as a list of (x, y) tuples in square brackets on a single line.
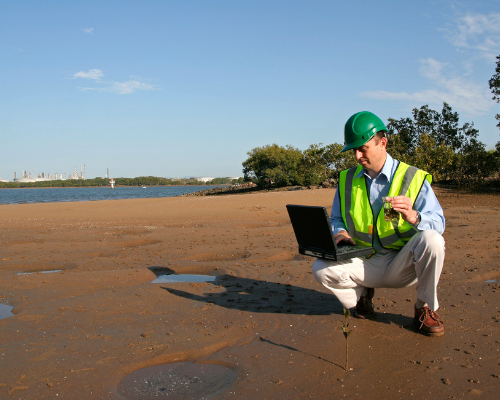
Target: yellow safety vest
[(357, 211)]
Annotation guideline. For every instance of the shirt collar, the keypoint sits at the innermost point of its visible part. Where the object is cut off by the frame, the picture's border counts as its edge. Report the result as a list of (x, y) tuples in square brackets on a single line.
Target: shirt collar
[(386, 169)]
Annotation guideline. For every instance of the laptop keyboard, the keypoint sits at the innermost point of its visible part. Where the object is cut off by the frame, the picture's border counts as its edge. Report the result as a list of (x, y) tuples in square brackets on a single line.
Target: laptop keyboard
[(346, 248)]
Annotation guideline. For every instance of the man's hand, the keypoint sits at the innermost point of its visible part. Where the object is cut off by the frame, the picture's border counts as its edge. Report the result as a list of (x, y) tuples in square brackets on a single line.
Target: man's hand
[(403, 205), (343, 236)]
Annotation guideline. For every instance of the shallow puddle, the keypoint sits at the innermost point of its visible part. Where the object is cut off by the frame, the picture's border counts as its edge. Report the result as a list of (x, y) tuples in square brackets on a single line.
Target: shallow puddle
[(492, 281), (6, 311), (174, 278), (176, 381), (40, 272)]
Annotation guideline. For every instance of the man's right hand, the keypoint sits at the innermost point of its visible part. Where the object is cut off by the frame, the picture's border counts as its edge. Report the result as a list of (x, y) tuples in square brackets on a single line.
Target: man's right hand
[(343, 236)]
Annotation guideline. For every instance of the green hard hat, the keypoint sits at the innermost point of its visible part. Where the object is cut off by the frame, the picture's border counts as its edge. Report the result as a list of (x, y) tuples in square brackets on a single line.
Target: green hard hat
[(360, 128)]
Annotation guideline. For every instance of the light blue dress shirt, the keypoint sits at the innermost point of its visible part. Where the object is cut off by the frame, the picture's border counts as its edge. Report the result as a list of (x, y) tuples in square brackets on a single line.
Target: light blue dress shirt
[(426, 203)]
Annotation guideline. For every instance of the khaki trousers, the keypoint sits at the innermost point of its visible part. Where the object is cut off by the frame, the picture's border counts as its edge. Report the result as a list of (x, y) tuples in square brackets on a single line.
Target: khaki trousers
[(420, 260)]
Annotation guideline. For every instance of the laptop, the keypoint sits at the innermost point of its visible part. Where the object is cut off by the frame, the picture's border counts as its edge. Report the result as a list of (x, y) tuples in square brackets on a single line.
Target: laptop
[(315, 236)]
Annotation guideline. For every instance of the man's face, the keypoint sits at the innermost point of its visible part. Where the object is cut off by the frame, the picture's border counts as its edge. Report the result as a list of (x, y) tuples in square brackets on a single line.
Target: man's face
[(372, 154)]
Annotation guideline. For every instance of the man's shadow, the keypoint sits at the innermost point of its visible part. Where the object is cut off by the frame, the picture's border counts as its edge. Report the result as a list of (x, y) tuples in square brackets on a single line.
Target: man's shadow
[(259, 296)]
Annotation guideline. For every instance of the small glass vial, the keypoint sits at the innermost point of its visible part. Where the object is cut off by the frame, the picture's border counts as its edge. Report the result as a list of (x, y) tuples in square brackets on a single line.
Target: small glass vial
[(390, 214)]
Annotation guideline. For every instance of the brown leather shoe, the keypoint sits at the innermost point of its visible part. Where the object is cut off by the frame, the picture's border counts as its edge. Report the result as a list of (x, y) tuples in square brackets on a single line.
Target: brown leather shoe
[(364, 307), (427, 322)]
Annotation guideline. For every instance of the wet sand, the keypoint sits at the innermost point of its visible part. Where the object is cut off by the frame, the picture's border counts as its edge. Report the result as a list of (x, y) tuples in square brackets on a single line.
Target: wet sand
[(78, 332)]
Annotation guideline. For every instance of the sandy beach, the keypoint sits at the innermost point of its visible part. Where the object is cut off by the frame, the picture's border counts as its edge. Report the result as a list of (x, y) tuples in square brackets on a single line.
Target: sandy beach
[(77, 332)]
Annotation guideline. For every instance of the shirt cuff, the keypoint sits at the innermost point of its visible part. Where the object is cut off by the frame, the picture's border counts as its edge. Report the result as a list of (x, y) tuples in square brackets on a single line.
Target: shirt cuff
[(337, 230)]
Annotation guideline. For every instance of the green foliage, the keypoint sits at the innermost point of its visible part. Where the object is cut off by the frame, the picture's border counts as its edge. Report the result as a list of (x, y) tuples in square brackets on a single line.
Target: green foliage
[(326, 163), (226, 181), (149, 181), (495, 87), (219, 181), (337, 161), (273, 165), (346, 332), (431, 157), (313, 165), (345, 325), (8, 185), (435, 142)]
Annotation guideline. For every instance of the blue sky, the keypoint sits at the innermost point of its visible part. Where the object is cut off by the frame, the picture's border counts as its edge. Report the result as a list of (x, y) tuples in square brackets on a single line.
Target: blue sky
[(187, 88)]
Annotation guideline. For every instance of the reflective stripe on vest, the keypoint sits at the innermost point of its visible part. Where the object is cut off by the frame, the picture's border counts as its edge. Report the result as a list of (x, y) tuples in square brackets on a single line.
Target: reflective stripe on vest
[(357, 212), (361, 236)]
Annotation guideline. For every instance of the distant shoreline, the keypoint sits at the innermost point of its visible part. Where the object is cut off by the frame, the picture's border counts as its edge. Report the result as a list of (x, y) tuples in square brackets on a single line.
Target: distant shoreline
[(243, 190), (107, 186)]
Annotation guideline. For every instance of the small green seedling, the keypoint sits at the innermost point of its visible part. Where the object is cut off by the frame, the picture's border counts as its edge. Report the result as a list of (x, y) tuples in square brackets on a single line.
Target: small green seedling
[(346, 332)]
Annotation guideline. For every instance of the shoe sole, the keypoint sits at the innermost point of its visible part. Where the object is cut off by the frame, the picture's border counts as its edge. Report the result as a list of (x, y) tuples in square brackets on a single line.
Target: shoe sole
[(360, 316), (431, 334)]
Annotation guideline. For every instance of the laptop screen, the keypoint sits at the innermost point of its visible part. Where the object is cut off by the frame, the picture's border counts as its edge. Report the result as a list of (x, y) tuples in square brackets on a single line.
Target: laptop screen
[(312, 227)]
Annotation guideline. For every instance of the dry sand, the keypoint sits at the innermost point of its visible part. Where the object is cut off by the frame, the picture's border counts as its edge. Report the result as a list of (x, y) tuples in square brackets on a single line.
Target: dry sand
[(77, 333)]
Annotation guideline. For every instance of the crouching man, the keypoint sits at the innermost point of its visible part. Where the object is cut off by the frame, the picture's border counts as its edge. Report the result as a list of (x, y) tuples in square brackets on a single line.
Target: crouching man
[(408, 250)]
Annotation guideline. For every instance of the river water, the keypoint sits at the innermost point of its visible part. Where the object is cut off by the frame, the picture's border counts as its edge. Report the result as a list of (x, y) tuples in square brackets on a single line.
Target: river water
[(51, 195)]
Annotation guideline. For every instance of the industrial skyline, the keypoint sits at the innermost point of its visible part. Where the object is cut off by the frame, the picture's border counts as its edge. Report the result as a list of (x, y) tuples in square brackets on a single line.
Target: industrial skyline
[(45, 176), (42, 176)]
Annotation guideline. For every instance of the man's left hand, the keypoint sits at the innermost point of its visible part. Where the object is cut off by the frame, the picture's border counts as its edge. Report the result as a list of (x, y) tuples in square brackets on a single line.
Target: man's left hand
[(404, 205)]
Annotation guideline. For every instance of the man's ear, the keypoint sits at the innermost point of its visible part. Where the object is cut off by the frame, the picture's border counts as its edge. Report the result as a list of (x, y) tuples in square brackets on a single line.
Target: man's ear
[(383, 142)]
